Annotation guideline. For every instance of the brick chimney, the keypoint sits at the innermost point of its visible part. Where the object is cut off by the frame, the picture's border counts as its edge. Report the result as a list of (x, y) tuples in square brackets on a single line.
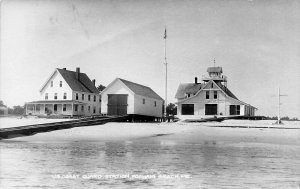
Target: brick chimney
[(94, 81), (196, 80), (78, 73)]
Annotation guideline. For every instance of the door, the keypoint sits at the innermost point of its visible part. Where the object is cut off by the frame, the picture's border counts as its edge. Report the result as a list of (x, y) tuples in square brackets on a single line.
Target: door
[(211, 109), (117, 104), (187, 109)]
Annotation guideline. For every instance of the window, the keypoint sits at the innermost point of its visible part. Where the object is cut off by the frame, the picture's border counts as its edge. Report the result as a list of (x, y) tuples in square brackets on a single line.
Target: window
[(94, 98), (89, 98), (55, 107), (144, 101), (51, 84), (76, 107), (212, 85), (55, 96), (207, 94), (89, 109), (188, 95), (99, 110), (82, 97), (187, 109), (234, 109), (154, 103), (65, 95), (60, 83), (99, 98), (76, 96), (64, 107), (94, 109), (215, 94), (46, 96), (82, 108)]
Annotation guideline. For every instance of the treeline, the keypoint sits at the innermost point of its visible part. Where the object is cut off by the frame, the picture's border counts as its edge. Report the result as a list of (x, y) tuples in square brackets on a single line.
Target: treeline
[(16, 110)]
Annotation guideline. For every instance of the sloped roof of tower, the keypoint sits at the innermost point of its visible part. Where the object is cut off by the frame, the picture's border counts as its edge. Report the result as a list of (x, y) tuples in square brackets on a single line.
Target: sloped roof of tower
[(215, 69), (84, 84)]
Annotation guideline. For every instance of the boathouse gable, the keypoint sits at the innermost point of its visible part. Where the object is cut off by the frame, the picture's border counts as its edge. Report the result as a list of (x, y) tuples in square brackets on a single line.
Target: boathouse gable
[(122, 96)]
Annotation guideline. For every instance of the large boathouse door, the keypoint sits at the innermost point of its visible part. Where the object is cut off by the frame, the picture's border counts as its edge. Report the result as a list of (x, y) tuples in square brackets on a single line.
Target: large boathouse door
[(117, 104)]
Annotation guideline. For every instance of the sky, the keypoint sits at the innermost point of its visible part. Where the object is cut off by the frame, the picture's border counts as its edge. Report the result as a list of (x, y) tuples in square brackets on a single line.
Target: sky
[(256, 42)]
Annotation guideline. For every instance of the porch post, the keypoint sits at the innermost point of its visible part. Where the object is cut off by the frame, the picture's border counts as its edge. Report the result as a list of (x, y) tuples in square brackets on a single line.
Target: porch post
[(35, 108), (72, 109), (52, 108)]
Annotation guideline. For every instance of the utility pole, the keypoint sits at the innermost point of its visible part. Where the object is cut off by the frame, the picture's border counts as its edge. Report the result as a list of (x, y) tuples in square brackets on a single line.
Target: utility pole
[(166, 82)]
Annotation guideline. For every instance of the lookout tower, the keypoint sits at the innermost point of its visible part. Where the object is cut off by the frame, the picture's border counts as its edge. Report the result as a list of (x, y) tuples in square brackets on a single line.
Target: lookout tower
[(215, 74)]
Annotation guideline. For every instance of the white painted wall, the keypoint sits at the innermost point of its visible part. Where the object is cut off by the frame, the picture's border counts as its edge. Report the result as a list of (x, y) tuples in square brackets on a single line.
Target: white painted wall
[(135, 102), (200, 100), (91, 102), (56, 78), (71, 95), (148, 109)]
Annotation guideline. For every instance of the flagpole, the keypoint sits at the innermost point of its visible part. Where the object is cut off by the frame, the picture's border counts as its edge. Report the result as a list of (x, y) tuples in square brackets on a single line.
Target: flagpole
[(166, 82)]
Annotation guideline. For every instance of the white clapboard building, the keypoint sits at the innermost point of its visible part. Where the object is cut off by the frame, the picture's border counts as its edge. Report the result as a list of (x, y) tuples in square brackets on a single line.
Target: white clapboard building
[(210, 98), (122, 97), (68, 93)]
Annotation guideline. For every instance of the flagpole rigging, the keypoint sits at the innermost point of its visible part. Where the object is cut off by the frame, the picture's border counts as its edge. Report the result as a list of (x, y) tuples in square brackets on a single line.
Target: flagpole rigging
[(166, 64)]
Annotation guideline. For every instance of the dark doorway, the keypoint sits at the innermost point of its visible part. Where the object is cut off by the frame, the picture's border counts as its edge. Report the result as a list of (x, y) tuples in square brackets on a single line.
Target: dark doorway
[(234, 109), (187, 109), (211, 109), (117, 104)]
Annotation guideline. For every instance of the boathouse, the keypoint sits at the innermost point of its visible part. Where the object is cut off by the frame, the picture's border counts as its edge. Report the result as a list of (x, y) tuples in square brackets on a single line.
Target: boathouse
[(210, 98), (66, 93), (122, 97)]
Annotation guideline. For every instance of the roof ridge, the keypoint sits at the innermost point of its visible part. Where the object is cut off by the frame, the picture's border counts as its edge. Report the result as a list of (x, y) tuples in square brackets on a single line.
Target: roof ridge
[(134, 83)]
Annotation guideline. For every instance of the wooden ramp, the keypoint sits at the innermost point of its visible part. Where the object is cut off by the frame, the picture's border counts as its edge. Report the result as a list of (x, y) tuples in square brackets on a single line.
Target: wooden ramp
[(28, 130)]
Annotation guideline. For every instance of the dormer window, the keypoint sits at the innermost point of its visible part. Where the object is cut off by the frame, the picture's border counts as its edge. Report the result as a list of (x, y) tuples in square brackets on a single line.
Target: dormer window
[(60, 84)]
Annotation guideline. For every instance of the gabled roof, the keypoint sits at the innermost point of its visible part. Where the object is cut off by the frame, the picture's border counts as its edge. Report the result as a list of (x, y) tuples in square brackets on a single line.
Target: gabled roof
[(214, 69), (84, 84), (187, 88), (141, 89), (192, 88), (226, 90)]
